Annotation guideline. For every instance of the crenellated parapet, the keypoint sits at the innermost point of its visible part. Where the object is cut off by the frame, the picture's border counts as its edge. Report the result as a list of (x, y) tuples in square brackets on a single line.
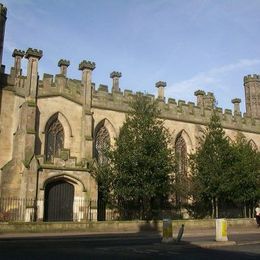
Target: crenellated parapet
[(252, 78), (84, 93), (177, 110), (103, 98), (252, 94), (58, 85)]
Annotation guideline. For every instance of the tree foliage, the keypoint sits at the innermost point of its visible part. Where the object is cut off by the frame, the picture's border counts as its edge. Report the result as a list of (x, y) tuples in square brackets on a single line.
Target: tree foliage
[(224, 171), (142, 160), (243, 181), (211, 163)]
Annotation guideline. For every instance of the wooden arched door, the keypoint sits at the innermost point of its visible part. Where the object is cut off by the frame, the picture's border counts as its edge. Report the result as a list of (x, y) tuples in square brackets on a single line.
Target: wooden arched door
[(58, 203)]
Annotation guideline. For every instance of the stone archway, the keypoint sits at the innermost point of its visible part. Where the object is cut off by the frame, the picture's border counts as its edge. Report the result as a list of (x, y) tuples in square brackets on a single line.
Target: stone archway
[(58, 201)]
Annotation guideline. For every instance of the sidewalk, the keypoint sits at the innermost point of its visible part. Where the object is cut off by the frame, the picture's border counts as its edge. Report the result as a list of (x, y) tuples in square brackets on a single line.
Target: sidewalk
[(236, 236), (198, 237)]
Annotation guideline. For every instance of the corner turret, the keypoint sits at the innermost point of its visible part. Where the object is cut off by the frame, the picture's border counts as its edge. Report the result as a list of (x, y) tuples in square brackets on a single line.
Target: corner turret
[(209, 100), (252, 95)]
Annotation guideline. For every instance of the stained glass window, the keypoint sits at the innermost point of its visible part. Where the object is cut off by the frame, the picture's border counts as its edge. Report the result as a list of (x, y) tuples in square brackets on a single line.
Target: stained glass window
[(101, 145), (181, 153), (54, 140)]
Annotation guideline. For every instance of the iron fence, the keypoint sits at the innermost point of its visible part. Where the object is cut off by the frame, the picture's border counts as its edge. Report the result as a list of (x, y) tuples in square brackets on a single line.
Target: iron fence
[(14, 209), (29, 209)]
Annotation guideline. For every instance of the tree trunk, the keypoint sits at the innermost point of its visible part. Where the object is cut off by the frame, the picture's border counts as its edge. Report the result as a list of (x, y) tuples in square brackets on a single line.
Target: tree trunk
[(213, 208), (141, 209), (244, 210), (216, 204)]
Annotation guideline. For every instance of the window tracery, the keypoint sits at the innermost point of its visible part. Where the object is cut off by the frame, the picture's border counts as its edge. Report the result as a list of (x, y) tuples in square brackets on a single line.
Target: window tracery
[(54, 140), (101, 145), (181, 153), (181, 174)]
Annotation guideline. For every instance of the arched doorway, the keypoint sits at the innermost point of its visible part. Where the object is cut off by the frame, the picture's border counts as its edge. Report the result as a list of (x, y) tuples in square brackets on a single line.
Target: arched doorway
[(58, 203)]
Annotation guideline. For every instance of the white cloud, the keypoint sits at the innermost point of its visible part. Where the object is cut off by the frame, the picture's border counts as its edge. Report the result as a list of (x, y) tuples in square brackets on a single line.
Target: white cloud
[(243, 63), (213, 77)]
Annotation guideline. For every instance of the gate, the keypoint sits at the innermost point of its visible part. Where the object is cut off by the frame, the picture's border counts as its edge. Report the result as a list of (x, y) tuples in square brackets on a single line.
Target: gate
[(58, 201)]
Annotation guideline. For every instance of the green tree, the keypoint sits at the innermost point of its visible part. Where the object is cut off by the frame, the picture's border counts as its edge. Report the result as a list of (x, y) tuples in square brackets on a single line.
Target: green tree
[(243, 181), (210, 164), (142, 159)]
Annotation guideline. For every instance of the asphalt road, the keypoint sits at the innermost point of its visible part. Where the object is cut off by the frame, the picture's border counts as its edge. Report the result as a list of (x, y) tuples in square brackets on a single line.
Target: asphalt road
[(125, 246)]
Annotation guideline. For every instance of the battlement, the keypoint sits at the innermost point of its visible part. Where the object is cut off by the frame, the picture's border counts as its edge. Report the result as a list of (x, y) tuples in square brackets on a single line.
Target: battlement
[(102, 97), (251, 78), (111, 98)]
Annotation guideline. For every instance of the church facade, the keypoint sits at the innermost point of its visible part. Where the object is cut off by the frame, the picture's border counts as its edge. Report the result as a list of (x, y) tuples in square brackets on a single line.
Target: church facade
[(52, 128)]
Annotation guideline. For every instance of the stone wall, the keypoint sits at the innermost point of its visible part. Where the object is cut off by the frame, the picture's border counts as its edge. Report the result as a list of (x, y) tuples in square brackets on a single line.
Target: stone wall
[(66, 98), (119, 226), (28, 103)]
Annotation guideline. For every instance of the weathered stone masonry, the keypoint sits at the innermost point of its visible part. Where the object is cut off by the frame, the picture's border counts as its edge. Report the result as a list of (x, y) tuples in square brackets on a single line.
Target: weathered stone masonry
[(61, 117)]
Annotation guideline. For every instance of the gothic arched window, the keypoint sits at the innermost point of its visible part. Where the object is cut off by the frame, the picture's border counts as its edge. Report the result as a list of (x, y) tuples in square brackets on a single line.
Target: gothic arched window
[(181, 174), (181, 153), (54, 140), (101, 145)]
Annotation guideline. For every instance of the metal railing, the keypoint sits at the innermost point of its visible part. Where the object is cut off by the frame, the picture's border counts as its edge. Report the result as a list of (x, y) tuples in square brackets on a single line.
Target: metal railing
[(29, 210)]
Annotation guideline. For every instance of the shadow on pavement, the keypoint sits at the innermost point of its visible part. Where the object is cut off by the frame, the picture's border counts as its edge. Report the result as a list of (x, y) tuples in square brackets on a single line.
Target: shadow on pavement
[(114, 247)]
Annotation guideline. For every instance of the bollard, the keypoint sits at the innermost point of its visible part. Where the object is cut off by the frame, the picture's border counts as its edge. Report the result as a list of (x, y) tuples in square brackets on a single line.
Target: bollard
[(221, 230), (167, 231), (179, 237)]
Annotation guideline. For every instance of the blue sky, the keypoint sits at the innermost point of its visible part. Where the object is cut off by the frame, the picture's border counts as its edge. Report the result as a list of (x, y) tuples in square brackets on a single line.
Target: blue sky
[(192, 44)]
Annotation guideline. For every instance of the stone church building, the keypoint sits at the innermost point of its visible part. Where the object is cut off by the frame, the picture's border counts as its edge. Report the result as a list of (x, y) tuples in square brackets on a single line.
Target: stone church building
[(52, 127)]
